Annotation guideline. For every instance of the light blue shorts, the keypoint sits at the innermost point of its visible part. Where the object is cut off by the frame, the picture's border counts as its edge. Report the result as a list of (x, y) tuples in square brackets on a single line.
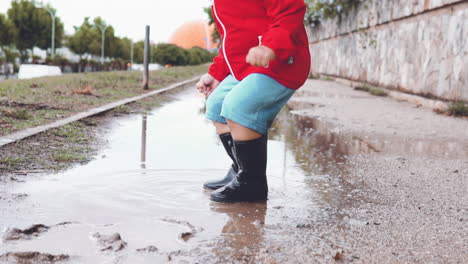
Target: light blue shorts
[(253, 102)]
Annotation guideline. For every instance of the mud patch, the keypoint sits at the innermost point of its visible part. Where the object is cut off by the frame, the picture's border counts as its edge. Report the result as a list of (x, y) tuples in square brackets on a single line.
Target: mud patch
[(148, 249), (29, 106), (111, 242), (15, 197), (28, 233), (32, 257), (185, 236)]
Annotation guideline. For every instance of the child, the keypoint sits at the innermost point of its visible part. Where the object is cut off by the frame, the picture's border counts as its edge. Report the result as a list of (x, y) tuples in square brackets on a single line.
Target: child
[(264, 57)]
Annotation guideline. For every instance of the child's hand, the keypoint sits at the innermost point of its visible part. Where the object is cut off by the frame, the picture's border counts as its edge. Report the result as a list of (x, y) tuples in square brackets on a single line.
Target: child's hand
[(260, 56), (207, 84)]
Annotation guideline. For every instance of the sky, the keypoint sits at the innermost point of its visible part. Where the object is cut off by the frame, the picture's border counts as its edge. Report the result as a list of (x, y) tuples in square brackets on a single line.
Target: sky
[(128, 17)]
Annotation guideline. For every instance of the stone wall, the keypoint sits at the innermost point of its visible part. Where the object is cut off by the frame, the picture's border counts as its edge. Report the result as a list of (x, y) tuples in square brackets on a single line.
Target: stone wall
[(416, 46)]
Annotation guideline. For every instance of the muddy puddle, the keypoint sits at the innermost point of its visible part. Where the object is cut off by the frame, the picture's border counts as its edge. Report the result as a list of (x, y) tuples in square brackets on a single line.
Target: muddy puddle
[(141, 201)]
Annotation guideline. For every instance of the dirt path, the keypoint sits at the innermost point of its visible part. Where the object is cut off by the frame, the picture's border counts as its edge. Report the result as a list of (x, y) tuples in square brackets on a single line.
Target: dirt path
[(412, 165)]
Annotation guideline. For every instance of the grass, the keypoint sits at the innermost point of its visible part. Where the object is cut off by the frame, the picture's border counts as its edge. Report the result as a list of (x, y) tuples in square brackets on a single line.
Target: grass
[(122, 109), (314, 76), (53, 150), (11, 162), (72, 155), (71, 132), (43, 100), (370, 89), (457, 108), (327, 78), (20, 114)]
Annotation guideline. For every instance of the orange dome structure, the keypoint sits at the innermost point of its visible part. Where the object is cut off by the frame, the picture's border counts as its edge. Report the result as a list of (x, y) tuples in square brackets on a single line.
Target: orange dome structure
[(194, 34)]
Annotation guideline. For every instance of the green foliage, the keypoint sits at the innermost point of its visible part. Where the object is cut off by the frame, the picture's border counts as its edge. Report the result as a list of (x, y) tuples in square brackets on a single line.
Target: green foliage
[(371, 89), (458, 108), (111, 45), (79, 42), (138, 51), (57, 60), (21, 114), (45, 40), (215, 36), (8, 35), (8, 31), (87, 40), (34, 26), (319, 10), (197, 55), (174, 55), (122, 49), (170, 54)]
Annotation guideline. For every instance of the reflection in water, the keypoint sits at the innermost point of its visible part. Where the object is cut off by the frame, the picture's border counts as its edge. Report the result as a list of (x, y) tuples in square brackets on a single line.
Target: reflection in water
[(242, 235), (320, 148), (315, 147), (143, 141)]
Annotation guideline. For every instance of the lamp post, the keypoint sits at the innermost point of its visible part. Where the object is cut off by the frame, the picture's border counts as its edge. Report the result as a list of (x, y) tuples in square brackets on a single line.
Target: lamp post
[(103, 29), (52, 13)]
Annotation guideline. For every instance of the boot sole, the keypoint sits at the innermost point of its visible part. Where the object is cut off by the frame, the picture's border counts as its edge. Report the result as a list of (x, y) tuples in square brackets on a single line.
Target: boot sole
[(222, 200), (211, 188)]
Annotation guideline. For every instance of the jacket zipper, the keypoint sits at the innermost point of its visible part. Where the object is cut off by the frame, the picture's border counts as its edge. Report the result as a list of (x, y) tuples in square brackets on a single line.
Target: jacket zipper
[(259, 44), (224, 40)]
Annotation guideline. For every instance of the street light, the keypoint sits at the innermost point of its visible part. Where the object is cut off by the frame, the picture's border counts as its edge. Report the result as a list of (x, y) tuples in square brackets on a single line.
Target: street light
[(52, 13), (103, 29)]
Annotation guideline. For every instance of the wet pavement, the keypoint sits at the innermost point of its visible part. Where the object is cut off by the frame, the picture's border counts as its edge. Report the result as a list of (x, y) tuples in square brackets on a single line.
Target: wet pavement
[(335, 195)]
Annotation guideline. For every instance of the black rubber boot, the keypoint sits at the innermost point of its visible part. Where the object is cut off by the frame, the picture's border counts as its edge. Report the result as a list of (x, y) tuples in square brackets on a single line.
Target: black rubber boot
[(251, 182), (227, 141)]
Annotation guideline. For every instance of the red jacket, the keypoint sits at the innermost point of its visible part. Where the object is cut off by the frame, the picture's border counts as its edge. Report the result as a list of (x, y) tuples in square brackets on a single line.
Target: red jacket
[(277, 24)]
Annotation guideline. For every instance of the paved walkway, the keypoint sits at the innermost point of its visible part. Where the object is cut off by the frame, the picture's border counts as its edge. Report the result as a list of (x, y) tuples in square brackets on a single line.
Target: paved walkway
[(412, 165)]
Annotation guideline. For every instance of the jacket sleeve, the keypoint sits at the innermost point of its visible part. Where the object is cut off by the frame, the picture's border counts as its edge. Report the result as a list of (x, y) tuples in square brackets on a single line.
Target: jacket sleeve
[(218, 69), (287, 18)]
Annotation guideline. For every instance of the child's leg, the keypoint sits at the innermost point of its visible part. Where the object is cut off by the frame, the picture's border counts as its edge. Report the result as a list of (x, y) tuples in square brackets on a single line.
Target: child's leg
[(213, 113), (215, 103), (250, 108), (240, 132), (252, 105), (221, 128)]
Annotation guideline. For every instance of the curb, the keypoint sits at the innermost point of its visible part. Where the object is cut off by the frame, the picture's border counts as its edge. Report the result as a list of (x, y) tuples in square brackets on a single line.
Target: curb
[(397, 95), (94, 111)]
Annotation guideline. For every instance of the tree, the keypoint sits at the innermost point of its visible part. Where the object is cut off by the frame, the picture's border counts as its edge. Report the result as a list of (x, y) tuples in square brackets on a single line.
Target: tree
[(8, 34), (197, 55), (139, 50), (34, 26), (170, 54), (215, 36), (84, 35), (45, 41), (88, 40), (122, 48), (110, 42)]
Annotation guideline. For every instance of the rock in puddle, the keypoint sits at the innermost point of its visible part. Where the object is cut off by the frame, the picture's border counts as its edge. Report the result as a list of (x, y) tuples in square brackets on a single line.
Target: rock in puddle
[(111, 242), (148, 249), (32, 257), (185, 236), (28, 233)]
